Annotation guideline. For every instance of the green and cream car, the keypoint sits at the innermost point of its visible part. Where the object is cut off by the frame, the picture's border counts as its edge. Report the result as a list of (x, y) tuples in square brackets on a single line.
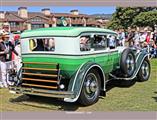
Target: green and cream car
[(75, 63)]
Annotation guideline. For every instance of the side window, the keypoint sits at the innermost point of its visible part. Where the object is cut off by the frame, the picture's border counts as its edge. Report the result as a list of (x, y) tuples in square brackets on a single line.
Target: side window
[(85, 43), (44, 44), (49, 44), (99, 42)]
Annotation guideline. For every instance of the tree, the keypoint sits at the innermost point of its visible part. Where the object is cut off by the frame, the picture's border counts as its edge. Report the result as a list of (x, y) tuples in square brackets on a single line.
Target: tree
[(124, 17), (146, 19)]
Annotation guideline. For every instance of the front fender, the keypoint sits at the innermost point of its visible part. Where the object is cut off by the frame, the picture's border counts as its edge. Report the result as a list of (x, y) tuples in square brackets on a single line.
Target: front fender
[(76, 82)]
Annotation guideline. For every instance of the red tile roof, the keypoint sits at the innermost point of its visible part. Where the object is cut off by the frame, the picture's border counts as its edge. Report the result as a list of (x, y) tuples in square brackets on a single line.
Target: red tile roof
[(13, 16)]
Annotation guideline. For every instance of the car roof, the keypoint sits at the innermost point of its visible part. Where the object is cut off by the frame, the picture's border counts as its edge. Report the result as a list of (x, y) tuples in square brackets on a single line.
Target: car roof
[(63, 31)]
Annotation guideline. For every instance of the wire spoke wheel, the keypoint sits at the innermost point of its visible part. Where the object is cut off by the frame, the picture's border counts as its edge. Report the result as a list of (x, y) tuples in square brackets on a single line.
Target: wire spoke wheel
[(127, 63), (144, 72), (145, 69), (130, 63), (91, 86)]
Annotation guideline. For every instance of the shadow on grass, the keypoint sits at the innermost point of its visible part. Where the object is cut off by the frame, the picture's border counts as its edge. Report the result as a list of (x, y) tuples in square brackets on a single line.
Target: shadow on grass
[(155, 97), (45, 102), (120, 83), (57, 104)]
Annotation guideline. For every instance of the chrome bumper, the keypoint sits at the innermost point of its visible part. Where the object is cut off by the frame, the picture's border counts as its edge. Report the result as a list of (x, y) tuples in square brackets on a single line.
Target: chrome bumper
[(41, 92)]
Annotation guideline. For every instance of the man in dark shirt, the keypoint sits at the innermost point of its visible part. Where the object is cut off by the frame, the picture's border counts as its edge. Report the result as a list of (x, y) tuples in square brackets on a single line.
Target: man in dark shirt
[(6, 49), (130, 37)]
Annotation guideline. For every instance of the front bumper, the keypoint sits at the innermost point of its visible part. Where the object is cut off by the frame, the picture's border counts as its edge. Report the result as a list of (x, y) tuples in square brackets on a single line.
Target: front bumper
[(41, 92)]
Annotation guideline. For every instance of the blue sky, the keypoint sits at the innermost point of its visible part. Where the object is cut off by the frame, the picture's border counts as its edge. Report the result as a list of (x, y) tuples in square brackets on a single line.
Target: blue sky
[(84, 10)]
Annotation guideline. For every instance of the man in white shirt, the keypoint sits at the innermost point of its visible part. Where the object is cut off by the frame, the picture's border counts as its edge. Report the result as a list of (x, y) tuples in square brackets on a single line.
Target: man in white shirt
[(136, 39), (142, 37)]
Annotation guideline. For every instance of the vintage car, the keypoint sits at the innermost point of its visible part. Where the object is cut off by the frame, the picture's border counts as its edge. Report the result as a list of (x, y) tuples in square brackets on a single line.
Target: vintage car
[(75, 63)]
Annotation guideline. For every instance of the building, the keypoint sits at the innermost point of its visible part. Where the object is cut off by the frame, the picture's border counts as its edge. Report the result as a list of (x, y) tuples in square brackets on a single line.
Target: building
[(22, 19)]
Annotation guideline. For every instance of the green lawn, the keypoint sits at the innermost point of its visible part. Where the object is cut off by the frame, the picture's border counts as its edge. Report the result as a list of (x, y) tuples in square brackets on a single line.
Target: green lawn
[(141, 96)]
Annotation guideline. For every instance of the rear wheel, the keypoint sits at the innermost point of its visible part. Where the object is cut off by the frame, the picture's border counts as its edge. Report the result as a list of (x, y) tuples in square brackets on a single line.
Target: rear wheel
[(91, 88), (144, 72)]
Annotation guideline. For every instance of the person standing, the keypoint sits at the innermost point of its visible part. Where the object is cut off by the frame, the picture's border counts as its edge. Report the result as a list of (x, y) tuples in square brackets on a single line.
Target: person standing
[(15, 43), (3, 53), (131, 36), (8, 45), (148, 37), (142, 38), (6, 48), (17, 58), (1, 60), (136, 39), (112, 42), (121, 37), (155, 37)]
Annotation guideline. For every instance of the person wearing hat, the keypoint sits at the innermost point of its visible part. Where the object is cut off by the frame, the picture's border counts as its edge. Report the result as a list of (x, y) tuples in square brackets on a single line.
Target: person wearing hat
[(6, 29), (3, 52), (6, 48)]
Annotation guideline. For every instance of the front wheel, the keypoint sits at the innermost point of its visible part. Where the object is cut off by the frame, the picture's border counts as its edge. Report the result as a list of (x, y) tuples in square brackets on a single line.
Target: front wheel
[(144, 72), (91, 88)]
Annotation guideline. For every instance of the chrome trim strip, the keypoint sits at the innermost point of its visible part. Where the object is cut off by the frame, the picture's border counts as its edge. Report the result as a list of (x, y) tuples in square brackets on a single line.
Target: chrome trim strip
[(79, 54)]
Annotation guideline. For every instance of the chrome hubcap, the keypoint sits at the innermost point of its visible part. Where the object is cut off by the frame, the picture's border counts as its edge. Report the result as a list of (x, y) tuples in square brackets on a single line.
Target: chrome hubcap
[(145, 69), (91, 85), (130, 63)]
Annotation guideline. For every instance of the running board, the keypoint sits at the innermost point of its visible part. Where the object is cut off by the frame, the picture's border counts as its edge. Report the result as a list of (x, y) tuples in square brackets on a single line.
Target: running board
[(139, 62)]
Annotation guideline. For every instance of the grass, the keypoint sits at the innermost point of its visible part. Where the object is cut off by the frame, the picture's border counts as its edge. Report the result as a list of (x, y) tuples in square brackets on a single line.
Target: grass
[(140, 96)]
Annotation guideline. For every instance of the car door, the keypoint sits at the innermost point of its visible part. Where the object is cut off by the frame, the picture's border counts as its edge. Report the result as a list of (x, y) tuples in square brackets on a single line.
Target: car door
[(99, 45), (112, 52)]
